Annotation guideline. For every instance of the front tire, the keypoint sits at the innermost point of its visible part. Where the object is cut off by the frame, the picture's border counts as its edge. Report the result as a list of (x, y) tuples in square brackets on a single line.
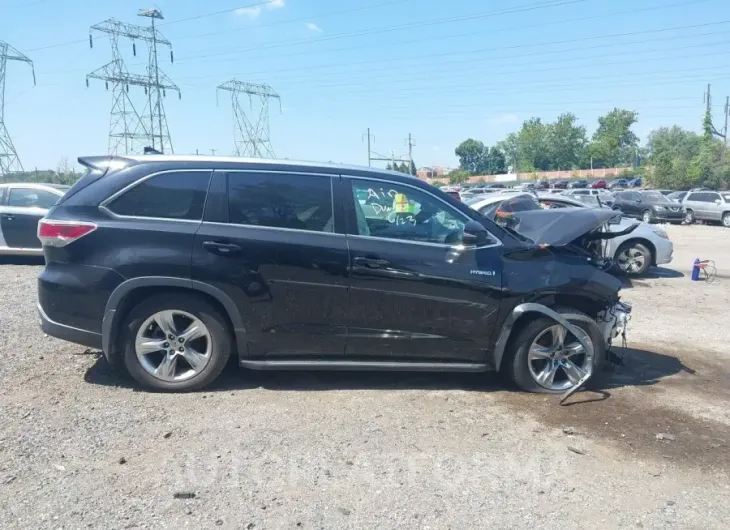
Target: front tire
[(175, 343), (633, 258), (647, 216), (535, 364), (726, 220), (689, 217)]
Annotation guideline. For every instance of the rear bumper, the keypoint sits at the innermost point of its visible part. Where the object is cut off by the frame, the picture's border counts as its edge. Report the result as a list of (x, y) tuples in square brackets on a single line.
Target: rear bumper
[(68, 333)]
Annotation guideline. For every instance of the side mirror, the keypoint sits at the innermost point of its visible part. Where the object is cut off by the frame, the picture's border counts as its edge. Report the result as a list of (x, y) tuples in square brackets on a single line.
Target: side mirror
[(475, 234), (718, 201), (616, 220)]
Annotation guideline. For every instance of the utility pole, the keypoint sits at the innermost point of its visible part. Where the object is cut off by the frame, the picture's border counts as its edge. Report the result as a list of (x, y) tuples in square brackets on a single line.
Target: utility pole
[(212, 151), (130, 132), (708, 108), (411, 145), (392, 158), (727, 112), (9, 161), (250, 136), (369, 136)]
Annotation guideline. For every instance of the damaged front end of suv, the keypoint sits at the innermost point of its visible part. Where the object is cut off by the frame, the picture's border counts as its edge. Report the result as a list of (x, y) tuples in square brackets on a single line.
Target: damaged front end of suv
[(561, 279)]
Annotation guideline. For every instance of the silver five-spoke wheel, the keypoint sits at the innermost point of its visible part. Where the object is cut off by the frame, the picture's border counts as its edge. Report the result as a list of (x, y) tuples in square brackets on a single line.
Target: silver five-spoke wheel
[(557, 360), (632, 260), (173, 345)]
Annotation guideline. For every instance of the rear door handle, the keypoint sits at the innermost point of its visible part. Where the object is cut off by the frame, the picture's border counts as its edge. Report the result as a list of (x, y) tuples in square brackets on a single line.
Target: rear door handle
[(373, 263), (8, 216), (223, 249)]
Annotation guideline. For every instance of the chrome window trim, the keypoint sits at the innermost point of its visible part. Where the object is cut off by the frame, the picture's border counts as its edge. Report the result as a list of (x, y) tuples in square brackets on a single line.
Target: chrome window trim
[(275, 228), (105, 209), (447, 205), (428, 244)]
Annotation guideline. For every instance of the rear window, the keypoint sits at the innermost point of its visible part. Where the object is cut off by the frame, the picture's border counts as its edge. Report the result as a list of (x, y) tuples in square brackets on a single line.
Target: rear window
[(174, 195)]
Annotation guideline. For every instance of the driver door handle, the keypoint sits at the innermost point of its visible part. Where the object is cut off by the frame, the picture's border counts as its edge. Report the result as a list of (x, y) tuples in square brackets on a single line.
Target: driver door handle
[(8, 216), (372, 263), (222, 249)]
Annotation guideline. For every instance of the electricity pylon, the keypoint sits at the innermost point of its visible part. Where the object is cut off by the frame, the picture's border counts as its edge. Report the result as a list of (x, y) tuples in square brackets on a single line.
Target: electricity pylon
[(251, 136), (129, 131), (9, 161)]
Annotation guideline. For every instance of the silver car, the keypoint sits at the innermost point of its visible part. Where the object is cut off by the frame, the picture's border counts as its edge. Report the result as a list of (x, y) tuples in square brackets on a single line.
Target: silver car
[(22, 205), (605, 195), (707, 206), (634, 253)]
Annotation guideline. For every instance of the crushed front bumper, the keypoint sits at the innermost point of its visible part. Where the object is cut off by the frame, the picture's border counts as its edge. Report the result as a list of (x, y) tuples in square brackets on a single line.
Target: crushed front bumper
[(614, 321)]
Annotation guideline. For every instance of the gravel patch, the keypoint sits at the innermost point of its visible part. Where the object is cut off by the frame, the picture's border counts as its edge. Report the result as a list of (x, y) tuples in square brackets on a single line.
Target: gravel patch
[(81, 446)]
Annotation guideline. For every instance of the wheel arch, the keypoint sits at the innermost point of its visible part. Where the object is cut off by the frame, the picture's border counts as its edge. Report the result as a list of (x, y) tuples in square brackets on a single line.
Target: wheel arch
[(129, 293), (522, 314)]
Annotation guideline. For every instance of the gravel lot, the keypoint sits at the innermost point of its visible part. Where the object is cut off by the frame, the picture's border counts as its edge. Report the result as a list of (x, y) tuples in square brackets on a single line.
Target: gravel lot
[(81, 447)]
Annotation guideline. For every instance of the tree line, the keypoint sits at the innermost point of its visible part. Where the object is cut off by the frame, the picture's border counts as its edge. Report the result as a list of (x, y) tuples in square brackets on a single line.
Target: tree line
[(671, 158), (63, 174), (403, 167)]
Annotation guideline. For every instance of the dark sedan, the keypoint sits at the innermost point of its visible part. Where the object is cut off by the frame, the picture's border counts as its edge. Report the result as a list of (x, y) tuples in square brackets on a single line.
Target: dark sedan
[(580, 183), (649, 206), (560, 185)]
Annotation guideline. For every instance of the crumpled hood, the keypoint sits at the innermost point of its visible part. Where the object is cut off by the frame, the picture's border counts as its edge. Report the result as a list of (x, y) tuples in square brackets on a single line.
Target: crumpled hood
[(561, 226)]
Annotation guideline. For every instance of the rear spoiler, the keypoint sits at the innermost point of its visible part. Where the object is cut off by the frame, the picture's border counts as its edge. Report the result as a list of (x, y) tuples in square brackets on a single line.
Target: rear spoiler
[(105, 163)]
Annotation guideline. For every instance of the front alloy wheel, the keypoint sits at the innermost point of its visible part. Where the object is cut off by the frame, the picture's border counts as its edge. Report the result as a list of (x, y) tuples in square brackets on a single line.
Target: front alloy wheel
[(633, 259), (689, 217), (556, 360), (726, 220), (646, 217)]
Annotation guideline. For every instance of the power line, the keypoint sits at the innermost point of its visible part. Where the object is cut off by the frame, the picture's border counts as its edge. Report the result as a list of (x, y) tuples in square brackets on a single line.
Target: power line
[(389, 29), (214, 13), (402, 68)]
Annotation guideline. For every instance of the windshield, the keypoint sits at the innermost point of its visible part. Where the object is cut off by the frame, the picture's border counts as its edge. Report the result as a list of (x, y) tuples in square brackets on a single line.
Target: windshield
[(653, 196)]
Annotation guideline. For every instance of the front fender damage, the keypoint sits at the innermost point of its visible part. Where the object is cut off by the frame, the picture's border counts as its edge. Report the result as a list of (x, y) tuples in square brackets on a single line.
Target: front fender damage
[(611, 323)]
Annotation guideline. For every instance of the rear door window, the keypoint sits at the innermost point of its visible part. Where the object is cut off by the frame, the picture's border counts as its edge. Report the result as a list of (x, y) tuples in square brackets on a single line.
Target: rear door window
[(281, 200), (31, 198), (174, 195)]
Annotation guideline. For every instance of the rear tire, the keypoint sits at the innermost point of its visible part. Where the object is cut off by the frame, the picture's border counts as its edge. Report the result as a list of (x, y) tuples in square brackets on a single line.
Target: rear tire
[(205, 353), (518, 362)]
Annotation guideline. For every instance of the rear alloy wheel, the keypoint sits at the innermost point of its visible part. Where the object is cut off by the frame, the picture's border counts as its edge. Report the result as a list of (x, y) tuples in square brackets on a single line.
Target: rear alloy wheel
[(549, 359), (175, 343), (689, 217), (726, 220), (633, 258), (647, 217)]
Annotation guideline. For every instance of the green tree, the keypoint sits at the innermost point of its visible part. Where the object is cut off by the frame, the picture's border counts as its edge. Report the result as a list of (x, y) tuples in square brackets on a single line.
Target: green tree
[(472, 156), (566, 143), (495, 161), (614, 143), (389, 166), (458, 176), (413, 168)]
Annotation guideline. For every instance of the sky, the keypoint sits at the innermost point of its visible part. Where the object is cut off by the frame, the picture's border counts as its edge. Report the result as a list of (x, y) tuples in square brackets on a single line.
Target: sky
[(441, 71)]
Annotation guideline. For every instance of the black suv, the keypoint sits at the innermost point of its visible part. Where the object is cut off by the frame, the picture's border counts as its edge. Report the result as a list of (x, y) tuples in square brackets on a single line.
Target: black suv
[(171, 264)]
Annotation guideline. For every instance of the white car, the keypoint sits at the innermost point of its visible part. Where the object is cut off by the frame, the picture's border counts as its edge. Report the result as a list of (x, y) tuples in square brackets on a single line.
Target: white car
[(634, 253), (605, 196), (22, 205)]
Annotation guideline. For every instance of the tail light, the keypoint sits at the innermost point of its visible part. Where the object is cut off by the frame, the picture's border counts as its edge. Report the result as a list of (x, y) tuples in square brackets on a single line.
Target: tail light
[(61, 233)]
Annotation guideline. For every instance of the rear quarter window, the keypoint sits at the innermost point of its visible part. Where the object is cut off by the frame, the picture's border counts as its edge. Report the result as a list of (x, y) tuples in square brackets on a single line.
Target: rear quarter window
[(173, 195)]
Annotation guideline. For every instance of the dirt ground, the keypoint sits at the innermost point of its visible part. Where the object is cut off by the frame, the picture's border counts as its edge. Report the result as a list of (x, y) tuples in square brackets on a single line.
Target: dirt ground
[(81, 447)]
